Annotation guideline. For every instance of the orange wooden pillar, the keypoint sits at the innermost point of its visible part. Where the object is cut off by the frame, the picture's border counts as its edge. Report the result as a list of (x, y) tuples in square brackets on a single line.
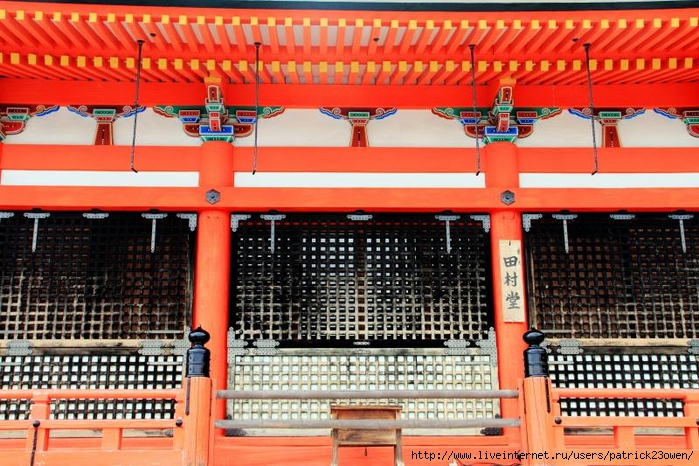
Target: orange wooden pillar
[(212, 273), (501, 163)]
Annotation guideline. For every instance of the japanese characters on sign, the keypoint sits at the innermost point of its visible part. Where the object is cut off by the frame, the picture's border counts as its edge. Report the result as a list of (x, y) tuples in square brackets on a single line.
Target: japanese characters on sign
[(512, 280)]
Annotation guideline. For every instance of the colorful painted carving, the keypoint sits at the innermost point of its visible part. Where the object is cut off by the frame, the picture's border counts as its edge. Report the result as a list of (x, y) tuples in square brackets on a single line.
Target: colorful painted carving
[(501, 122), (689, 116), (609, 118), (215, 121), (358, 118), (14, 117), (105, 117)]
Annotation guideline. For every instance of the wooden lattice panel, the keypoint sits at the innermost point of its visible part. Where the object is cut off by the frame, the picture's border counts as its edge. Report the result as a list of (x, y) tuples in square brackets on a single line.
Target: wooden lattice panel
[(627, 278), (88, 278), (388, 279), (306, 369)]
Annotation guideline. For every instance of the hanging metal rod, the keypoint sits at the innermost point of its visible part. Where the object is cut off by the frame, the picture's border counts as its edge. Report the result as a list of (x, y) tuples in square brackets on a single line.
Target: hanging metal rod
[(473, 98), (592, 106), (136, 105)]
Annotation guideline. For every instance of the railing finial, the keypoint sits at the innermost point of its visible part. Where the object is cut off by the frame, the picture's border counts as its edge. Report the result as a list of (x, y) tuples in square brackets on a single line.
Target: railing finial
[(198, 357), (535, 357)]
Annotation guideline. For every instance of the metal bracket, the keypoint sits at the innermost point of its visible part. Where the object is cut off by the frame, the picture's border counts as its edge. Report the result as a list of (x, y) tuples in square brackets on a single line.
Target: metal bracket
[(448, 219), (485, 219), (36, 216), (272, 218), (693, 346), (569, 346), (154, 218), (19, 348), (488, 347), (622, 216), (180, 346), (527, 220), (151, 348), (457, 347), (565, 218), (95, 215), (266, 347), (682, 218), (191, 218), (236, 219), (360, 217), (235, 347), (6, 215)]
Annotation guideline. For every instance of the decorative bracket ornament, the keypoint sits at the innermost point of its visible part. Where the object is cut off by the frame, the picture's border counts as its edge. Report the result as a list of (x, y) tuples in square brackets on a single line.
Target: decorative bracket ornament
[(609, 118), (358, 118), (501, 122), (215, 121), (689, 116), (105, 117), (14, 117)]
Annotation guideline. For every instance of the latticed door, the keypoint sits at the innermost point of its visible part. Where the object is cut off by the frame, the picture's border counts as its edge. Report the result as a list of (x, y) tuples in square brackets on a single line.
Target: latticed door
[(336, 301)]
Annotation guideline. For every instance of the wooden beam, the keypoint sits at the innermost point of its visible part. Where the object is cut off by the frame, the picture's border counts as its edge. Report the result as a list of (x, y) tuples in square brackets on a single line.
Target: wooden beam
[(312, 96)]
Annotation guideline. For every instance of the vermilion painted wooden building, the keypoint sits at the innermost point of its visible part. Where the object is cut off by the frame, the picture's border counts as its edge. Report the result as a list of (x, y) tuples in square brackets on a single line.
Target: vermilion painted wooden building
[(356, 200)]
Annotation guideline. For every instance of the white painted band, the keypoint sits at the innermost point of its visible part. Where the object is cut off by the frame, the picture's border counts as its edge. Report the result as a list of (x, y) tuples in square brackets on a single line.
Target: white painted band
[(609, 180), (358, 180), (99, 178)]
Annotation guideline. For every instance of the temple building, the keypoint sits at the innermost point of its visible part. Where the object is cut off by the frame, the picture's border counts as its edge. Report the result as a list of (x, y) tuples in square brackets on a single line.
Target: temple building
[(349, 232)]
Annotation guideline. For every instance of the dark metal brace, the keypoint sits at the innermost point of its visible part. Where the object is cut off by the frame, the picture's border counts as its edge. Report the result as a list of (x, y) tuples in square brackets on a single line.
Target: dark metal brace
[(36, 216), (682, 218), (154, 218), (448, 219), (36, 425), (565, 218), (273, 218)]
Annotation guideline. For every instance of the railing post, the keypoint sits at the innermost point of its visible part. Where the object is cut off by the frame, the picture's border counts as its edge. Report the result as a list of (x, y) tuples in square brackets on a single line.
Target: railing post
[(538, 409), (197, 416)]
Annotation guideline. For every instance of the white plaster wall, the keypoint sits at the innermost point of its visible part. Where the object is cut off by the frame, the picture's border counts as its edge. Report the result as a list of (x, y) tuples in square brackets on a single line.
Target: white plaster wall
[(152, 130), (562, 130), (59, 127), (300, 128), (417, 128), (654, 130), (310, 128)]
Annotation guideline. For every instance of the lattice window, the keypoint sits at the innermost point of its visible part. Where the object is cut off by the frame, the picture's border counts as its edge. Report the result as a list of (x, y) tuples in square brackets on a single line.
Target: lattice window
[(388, 279), (619, 279), (91, 371), (660, 371), (338, 369), (94, 278)]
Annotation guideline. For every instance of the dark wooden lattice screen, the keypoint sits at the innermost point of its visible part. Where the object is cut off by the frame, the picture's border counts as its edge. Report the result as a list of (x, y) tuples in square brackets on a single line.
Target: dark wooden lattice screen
[(94, 278), (619, 279), (388, 279)]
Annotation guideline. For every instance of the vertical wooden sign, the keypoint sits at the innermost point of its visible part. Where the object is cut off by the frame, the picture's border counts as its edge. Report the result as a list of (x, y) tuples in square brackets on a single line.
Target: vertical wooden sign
[(512, 280)]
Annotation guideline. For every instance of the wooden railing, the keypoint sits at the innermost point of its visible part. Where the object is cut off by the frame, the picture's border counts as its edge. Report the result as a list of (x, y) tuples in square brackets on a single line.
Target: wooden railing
[(186, 438), (48, 439)]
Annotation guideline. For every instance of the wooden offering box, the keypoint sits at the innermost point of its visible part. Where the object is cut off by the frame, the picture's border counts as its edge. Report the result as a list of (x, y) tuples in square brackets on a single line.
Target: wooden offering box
[(366, 437)]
